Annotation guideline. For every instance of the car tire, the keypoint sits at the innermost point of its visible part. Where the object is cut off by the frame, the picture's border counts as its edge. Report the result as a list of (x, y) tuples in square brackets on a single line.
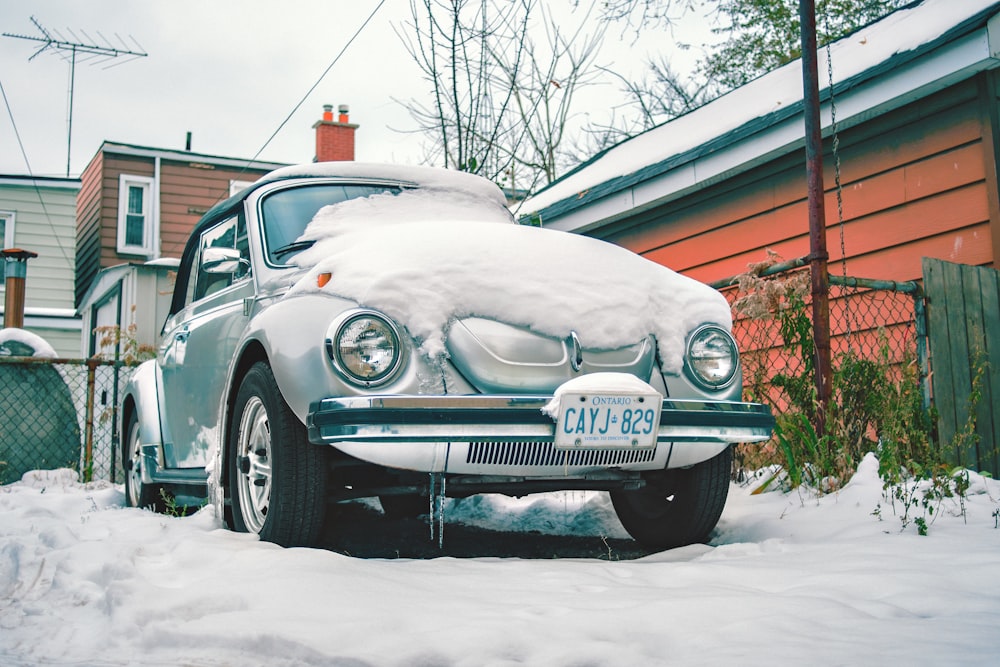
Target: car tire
[(407, 506), (677, 507), (276, 477), (138, 494)]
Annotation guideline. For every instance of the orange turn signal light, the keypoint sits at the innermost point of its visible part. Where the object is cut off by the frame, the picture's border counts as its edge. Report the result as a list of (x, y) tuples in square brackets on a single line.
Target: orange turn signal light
[(323, 278)]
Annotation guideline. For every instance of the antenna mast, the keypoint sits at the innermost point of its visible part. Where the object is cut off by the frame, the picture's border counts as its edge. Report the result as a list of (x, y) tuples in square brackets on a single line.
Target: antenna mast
[(90, 49)]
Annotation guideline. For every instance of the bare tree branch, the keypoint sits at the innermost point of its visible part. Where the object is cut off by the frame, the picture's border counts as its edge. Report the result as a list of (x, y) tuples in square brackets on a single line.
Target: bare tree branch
[(501, 101)]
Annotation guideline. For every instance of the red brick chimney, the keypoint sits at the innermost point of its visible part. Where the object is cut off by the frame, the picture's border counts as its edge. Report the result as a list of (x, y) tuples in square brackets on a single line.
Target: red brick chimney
[(334, 138)]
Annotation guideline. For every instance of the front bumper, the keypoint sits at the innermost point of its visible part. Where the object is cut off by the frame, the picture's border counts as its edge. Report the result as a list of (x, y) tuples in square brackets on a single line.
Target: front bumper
[(513, 419)]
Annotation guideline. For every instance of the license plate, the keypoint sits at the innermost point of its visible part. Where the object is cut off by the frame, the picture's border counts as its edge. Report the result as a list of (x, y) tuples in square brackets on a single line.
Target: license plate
[(608, 421)]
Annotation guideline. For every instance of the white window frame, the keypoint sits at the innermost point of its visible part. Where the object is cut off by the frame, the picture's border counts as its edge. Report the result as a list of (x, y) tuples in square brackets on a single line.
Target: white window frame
[(6, 240), (150, 230)]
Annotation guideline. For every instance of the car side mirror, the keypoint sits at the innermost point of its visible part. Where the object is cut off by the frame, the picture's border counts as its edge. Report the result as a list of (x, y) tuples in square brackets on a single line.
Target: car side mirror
[(222, 260)]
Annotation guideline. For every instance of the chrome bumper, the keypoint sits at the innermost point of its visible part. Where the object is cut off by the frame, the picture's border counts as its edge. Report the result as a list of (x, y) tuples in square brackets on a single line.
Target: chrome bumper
[(513, 419)]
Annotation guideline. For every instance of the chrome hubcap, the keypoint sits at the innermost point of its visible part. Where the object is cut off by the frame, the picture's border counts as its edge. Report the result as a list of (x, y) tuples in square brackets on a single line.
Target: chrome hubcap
[(254, 465), (135, 466)]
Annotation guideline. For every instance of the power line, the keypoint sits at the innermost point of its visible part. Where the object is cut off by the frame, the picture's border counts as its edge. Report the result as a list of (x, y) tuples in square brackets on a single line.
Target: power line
[(34, 181), (319, 80)]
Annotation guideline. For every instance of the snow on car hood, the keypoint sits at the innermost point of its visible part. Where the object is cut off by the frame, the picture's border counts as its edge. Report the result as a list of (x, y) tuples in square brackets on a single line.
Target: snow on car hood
[(439, 265)]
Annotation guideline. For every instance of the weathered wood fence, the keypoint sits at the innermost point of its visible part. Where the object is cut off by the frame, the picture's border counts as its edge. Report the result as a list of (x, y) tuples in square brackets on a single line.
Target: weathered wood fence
[(963, 309)]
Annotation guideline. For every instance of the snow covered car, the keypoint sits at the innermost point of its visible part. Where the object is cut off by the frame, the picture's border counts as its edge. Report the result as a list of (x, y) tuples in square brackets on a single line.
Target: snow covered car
[(341, 331)]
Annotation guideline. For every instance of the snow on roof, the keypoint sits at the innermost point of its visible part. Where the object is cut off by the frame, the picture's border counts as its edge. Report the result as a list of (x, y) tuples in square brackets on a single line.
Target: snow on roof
[(760, 106)]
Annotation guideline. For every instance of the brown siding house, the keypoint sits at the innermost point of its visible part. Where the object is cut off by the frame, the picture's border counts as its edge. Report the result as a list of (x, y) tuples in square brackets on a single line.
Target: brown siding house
[(138, 204)]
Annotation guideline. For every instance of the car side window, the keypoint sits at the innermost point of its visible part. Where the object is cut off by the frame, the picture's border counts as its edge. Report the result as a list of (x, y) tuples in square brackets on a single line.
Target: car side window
[(230, 234)]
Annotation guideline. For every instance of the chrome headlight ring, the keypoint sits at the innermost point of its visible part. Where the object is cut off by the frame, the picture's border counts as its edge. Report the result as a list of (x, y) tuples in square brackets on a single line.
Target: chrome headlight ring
[(712, 358), (365, 347)]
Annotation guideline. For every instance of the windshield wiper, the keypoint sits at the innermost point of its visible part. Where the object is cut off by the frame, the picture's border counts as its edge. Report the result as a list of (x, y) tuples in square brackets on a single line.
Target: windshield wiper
[(294, 246)]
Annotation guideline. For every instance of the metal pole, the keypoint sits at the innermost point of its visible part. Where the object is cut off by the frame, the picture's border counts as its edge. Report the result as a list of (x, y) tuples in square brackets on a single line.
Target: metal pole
[(16, 262), (818, 255), (923, 358), (69, 129), (114, 394), (88, 448)]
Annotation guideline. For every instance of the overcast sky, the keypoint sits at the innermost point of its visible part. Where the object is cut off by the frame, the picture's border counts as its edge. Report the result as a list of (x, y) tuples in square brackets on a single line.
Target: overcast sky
[(228, 71)]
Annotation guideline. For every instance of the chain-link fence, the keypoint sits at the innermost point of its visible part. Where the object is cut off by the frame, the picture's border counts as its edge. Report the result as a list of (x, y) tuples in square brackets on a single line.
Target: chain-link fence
[(875, 321), (58, 413)]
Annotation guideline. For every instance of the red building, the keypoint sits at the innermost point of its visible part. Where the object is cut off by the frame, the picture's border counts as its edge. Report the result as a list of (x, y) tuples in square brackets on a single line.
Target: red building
[(917, 123)]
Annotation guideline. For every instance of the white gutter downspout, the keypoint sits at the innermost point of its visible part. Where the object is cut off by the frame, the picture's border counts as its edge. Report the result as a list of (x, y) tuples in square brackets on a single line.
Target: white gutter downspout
[(156, 207), (993, 36)]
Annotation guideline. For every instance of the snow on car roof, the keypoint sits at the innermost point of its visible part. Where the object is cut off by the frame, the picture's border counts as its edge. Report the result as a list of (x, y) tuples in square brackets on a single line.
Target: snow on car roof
[(426, 260), (427, 177)]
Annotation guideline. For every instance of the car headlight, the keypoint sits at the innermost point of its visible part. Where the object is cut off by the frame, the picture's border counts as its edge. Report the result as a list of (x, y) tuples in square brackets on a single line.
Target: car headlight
[(712, 357), (364, 346)]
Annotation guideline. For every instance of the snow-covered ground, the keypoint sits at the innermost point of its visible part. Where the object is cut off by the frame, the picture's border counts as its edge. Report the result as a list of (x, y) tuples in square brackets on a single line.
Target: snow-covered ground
[(788, 579)]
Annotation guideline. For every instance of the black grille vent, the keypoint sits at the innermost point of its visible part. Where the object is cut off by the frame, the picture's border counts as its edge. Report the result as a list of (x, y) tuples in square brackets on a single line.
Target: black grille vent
[(545, 454)]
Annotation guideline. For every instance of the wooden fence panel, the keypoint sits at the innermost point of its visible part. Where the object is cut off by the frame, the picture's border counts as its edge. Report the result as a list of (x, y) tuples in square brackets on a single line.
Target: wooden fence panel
[(964, 330), (990, 404)]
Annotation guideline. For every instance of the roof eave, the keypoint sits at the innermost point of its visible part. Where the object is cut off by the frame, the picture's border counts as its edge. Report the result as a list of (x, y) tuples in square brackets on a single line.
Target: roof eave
[(186, 156), (873, 92)]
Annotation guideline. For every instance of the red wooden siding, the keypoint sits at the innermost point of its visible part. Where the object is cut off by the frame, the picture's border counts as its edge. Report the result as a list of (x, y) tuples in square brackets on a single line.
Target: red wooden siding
[(187, 191), (88, 225), (914, 184)]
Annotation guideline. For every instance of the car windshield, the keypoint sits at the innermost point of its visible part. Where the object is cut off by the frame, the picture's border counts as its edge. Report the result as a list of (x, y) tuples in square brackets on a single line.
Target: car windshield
[(287, 212)]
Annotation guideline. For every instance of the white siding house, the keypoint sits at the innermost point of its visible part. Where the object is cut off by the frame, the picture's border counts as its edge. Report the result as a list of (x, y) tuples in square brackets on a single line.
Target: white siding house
[(134, 298), (39, 214)]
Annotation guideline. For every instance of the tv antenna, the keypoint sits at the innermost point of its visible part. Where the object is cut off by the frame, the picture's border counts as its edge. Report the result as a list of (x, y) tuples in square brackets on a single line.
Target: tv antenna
[(89, 51)]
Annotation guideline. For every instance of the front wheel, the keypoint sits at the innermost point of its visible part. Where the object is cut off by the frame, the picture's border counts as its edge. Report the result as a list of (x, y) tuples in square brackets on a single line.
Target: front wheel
[(277, 478), (677, 507)]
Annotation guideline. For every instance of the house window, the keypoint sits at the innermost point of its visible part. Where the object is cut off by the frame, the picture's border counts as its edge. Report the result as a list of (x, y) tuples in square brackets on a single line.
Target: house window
[(136, 223), (6, 239)]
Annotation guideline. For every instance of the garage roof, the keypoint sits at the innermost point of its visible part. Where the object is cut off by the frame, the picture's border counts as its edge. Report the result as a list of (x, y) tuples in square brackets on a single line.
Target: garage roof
[(910, 54)]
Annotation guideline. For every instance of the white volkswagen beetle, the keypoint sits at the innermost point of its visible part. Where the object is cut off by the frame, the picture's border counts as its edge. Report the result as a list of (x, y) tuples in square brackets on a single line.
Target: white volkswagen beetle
[(342, 330)]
